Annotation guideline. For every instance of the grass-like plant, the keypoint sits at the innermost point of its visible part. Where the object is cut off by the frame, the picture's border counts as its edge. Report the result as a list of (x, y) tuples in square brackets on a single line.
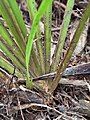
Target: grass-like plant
[(26, 51)]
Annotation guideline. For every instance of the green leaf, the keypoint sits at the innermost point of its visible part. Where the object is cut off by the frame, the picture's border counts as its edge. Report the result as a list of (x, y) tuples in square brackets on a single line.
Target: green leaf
[(71, 48), (48, 37), (63, 34), (18, 16), (5, 34), (39, 14), (32, 8), (12, 23), (39, 47), (10, 43), (12, 57), (9, 67)]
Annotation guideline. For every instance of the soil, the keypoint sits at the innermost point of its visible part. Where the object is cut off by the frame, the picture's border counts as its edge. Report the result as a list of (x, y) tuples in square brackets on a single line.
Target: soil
[(70, 101)]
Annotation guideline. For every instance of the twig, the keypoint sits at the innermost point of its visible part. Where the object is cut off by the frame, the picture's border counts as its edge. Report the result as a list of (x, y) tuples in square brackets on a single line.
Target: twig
[(6, 118), (63, 81), (20, 108), (74, 113), (63, 6), (25, 106)]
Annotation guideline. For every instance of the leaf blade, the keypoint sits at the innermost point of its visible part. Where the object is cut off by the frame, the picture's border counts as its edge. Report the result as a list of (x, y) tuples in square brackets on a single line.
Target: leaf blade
[(36, 20)]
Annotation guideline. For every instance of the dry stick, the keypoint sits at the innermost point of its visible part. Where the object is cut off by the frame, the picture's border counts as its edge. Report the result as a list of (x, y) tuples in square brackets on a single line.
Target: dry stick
[(62, 81), (20, 108), (63, 6), (76, 114), (25, 106), (71, 48), (50, 76), (4, 116)]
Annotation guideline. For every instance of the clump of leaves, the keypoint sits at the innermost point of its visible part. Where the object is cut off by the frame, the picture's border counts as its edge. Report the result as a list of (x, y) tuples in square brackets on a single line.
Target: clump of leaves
[(26, 51)]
